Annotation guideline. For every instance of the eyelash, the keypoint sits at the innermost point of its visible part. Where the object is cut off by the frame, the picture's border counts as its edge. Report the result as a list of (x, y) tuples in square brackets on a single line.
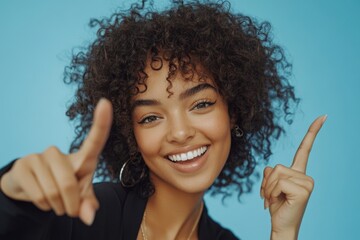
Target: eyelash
[(148, 120), (199, 105), (207, 103)]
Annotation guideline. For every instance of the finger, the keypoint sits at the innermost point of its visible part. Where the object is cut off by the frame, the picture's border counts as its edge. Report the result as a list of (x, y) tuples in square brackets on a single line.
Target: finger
[(266, 173), (29, 186), (85, 160), (280, 171), (291, 189), (86, 186), (88, 206), (65, 179), (48, 186), (303, 152), (20, 184), (306, 183), (87, 212), (34, 192)]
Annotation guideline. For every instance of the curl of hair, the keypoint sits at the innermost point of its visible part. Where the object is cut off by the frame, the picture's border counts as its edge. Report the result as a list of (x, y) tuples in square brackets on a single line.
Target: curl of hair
[(238, 53)]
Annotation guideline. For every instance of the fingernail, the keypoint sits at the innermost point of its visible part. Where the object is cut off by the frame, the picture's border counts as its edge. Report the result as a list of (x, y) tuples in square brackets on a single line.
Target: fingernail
[(324, 118)]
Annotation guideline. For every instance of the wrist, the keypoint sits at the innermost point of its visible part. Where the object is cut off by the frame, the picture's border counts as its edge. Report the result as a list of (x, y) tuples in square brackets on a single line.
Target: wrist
[(289, 234)]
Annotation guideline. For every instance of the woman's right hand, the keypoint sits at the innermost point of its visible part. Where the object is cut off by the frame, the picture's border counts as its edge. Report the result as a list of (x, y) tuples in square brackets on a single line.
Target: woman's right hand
[(61, 182)]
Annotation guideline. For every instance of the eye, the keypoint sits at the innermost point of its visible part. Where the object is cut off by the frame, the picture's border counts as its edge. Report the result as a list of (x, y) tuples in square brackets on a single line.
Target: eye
[(203, 104), (148, 119)]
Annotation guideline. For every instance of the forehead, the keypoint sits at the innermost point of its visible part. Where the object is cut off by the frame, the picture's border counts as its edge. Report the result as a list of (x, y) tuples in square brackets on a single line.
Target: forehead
[(168, 81)]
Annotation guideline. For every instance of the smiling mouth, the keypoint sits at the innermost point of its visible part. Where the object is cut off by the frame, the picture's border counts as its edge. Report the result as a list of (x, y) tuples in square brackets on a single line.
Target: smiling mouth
[(190, 155)]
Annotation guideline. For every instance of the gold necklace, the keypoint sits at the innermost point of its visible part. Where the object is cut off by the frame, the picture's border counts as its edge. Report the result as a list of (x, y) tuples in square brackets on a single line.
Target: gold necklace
[(144, 231)]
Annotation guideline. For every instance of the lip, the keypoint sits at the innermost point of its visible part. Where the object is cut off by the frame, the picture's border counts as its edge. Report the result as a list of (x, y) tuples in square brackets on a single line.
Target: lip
[(192, 165)]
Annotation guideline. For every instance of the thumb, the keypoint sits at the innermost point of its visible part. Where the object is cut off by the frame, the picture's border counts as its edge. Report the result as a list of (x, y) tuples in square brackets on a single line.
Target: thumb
[(88, 206)]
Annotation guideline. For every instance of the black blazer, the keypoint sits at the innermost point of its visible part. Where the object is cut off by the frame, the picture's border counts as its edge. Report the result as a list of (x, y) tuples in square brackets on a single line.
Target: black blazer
[(118, 218)]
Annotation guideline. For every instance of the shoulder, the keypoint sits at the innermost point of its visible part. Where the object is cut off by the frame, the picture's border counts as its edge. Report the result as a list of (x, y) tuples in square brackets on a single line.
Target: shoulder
[(120, 213), (112, 195), (109, 191), (210, 229), (109, 188)]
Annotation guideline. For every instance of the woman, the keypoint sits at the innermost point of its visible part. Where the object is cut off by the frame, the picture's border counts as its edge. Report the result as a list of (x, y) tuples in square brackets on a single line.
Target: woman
[(194, 96)]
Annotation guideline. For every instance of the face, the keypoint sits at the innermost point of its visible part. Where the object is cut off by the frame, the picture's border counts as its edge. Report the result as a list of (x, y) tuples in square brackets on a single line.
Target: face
[(184, 139)]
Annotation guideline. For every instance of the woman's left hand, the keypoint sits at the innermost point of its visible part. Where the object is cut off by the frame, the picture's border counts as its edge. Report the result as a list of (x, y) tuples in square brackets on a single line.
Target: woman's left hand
[(286, 190)]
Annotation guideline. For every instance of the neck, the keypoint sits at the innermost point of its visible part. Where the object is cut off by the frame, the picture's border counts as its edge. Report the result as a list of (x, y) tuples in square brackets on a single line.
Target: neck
[(172, 213)]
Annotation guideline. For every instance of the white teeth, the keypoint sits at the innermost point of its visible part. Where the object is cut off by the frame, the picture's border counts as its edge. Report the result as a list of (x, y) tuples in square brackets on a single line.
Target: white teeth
[(188, 155), (196, 153)]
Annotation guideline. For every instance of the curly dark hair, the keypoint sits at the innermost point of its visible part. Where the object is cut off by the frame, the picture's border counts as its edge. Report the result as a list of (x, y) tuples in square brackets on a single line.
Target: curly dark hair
[(250, 71)]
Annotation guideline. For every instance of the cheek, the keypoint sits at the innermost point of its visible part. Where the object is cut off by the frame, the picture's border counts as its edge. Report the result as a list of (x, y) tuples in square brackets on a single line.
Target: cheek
[(148, 141), (217, 126)]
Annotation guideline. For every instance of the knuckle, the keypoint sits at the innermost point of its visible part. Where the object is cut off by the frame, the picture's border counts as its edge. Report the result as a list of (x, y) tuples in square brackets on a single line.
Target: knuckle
[(267, 169), (33, 157), (279, 168), (305, 192), (311, 183), (52, 150), (35, 160), (281, 182), (18, 169), (19, 164), (53, 195), (40, 200), (311, 180), (23, 162), (68, 186)]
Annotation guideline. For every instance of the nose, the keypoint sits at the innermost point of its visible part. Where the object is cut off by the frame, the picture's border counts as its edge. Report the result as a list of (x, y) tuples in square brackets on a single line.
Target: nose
[(180, 130)]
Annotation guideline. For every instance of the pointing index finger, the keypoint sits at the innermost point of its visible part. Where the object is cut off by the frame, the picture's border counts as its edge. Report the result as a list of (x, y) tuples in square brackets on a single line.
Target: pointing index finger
[(99, 132), (303, 152)]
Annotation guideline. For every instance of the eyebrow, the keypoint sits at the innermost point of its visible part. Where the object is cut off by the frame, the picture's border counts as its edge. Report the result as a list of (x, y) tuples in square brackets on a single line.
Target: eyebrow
[(187, 93), (194, 90), (144, 102)]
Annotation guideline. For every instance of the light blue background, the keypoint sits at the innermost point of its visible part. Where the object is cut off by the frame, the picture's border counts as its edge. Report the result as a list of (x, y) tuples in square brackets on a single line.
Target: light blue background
[(322, 39)]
